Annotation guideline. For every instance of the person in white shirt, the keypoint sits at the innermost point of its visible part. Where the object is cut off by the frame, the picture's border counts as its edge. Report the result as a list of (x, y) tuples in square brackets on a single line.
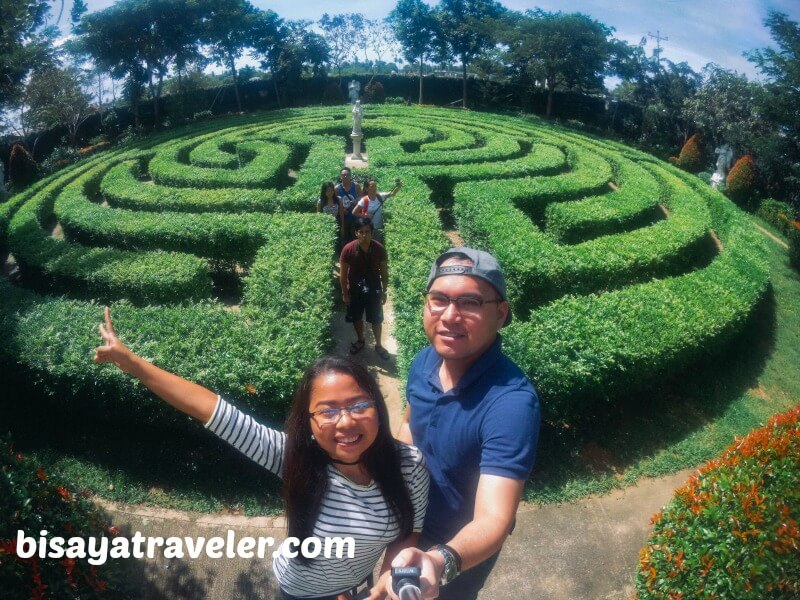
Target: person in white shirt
[(371, 205)]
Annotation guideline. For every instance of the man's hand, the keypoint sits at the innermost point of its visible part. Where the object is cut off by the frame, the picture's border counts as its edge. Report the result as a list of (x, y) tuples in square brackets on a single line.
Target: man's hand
[(431, 566), (112, 350), (346, 298)]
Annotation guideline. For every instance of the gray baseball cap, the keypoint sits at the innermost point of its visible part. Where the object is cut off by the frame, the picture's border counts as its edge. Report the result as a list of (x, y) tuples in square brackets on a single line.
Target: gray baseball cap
[(484, 266)]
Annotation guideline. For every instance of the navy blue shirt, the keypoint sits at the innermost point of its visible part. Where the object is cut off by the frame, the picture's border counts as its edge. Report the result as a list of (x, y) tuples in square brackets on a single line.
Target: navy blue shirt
[(487, 424)]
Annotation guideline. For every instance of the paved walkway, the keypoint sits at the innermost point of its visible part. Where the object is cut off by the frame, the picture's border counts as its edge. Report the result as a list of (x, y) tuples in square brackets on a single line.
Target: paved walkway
[(580, 550)]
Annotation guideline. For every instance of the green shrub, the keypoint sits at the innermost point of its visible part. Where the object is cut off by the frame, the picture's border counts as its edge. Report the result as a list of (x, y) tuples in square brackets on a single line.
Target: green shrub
[(732, 531), (31, 501), (794, 246), (780, 215), (691, 157), (374, 93), (740, 185)]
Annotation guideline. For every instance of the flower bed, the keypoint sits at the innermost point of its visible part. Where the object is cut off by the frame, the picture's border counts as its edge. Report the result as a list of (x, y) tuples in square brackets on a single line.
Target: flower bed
[(732, 531), (32, 500)]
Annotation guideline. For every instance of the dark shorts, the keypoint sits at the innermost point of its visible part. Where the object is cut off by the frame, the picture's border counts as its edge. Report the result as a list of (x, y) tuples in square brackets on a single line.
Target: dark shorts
[(361, 303)]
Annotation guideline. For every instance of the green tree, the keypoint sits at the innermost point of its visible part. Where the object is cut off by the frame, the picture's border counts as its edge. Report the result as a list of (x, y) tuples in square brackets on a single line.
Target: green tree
[(115, 42), (416, 29), (289, 50), (565, 51), (340, 32), (25, 44), (55, 98), (468, 28), (725, 109), (778, 156), (228, 29)]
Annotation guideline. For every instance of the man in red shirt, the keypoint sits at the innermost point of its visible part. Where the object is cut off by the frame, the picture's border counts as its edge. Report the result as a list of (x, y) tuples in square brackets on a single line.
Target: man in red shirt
[(364, 276)]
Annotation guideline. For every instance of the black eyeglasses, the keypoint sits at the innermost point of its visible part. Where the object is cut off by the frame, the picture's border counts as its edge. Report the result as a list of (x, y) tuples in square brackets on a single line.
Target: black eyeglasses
[(438, 303)]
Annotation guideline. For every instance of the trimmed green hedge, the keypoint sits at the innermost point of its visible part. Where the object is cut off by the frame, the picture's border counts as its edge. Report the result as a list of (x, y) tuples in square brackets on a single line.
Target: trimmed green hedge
[(609, 290), (733, 530)]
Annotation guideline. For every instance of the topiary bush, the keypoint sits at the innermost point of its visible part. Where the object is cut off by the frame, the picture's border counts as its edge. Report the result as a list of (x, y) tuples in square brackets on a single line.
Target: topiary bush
[(691, 156), (374, 93), (22, 169), (732, 531), (32, 500), (740, 186)]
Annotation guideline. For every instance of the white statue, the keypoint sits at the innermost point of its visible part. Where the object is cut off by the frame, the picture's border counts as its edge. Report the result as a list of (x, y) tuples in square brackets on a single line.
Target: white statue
[(354, 90), (358, 114), (724, 163)]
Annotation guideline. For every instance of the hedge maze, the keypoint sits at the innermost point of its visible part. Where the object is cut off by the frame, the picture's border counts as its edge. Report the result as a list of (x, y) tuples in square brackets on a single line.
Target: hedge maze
[(621, 268)]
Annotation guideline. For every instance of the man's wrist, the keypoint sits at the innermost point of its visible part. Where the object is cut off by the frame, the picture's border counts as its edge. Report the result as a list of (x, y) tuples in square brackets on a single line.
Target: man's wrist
[(448, 565)]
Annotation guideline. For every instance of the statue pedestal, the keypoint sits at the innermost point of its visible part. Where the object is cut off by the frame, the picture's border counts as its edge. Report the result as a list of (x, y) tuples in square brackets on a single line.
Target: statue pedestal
[(356, 159), (356, 137)]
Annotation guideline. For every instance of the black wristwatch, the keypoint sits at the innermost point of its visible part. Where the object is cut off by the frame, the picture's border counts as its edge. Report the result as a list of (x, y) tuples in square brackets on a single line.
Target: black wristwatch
[(452, 563)]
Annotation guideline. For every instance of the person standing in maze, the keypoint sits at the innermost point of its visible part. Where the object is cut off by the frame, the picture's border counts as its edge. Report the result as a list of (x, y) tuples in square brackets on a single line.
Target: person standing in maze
[(475, 416), (348, 192), (329, 204), (343, 473), (364, 277), (371, 205)]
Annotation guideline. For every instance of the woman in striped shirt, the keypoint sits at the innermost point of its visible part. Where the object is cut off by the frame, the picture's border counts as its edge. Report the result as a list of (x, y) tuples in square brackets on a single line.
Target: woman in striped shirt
[(344, 474)]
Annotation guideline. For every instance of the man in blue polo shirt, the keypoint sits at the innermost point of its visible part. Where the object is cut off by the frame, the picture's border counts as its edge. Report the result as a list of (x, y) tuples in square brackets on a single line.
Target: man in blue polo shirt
[(475, 417)]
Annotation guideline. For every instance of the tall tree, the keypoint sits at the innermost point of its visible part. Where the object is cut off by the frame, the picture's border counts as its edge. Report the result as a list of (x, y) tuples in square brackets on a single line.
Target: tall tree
[(568, 51), (467, 29), (116, 42), (341, 33), (780, 155), (416, 29), (228, 31), (25, 44), (55, 98), (289, 50), (725, 109)]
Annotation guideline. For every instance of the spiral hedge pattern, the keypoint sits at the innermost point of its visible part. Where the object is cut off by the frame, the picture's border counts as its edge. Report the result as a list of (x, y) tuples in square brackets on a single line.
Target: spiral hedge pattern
[(621, 268)]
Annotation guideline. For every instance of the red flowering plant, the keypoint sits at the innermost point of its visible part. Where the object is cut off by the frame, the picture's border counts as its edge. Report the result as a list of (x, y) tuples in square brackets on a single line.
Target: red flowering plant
[(732, 531), (691, 156), (740, 185), (32, 500)]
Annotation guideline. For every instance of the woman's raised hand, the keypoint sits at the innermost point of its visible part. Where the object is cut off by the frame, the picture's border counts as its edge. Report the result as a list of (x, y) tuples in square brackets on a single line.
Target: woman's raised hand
[(112, 350)]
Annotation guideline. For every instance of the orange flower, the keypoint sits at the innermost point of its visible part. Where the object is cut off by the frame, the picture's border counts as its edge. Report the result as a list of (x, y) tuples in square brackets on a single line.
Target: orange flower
[(41, 474), (63, 492), (251, 389)]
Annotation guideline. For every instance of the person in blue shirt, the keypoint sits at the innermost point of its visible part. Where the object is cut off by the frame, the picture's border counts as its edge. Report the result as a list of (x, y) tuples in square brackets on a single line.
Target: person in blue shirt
[(475, 416)]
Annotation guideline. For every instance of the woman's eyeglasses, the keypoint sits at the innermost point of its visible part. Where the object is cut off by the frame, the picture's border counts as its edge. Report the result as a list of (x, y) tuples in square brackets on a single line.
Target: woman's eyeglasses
[(331, 416)]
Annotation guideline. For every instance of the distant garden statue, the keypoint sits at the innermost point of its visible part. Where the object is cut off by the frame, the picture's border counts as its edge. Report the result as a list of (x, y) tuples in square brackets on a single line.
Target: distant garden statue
[(357, 135), (354, 90), (724, 162), (358, 114)]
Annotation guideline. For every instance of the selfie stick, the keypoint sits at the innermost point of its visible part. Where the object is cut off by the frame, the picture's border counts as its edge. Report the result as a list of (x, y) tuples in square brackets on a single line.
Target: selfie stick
[(405, 581)]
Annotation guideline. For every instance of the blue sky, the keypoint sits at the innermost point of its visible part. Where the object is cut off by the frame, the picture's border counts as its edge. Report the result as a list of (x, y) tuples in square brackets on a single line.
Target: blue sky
[(699, 31)]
